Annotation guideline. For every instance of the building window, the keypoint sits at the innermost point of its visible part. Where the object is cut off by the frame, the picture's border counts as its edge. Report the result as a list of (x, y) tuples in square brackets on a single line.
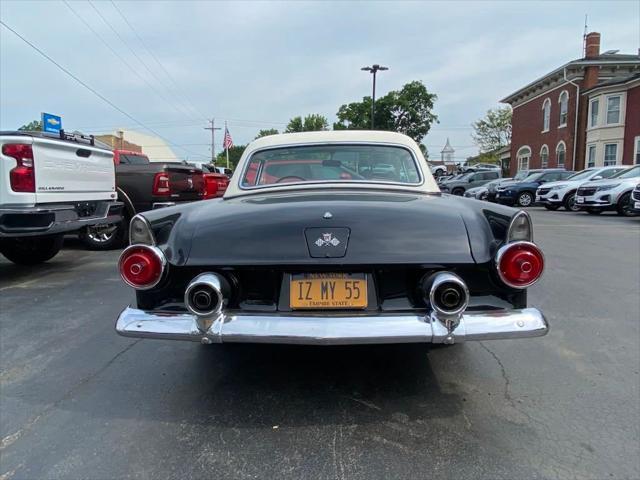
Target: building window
[(591, 156), (595, 104), (524, 155), (546, 115), (610, 154), (561, 153), (613, 110), (544, 156), (564, 108), (636, 155)]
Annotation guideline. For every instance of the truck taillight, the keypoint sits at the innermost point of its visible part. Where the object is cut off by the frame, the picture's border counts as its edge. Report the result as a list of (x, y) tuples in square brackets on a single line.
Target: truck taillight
[(161, 184), (22, 177)]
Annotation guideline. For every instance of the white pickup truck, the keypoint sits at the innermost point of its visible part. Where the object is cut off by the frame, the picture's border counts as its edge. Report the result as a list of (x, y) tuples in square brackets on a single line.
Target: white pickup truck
[(50, 186)]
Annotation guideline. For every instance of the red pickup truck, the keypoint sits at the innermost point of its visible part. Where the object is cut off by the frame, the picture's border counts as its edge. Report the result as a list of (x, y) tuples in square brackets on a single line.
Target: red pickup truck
[(215, 183), (143, 185)]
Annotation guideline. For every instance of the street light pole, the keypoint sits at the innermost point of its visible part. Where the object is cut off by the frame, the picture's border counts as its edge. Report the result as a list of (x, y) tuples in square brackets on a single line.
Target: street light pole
[(213, 129), (374, 69)]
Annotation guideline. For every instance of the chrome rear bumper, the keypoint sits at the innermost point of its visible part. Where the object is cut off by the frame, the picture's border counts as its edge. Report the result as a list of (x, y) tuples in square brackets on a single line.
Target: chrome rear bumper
[(310, 329)]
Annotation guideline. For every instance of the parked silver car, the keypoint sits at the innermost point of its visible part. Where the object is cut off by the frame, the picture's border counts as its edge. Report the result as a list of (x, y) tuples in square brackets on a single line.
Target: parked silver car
[(612, 193), (482, 193), (458, 186)]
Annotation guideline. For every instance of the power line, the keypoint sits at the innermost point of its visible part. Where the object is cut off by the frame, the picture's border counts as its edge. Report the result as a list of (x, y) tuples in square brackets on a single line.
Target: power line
[(150, 52), (108, 24), (106, 44), (92, 90)]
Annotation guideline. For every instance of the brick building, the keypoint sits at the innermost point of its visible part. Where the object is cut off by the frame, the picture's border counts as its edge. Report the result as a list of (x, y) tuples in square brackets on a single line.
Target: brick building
[(549, 123)]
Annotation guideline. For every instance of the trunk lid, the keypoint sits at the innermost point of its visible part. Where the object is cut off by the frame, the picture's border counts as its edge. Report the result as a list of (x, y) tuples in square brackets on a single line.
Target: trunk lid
[(309, 229)]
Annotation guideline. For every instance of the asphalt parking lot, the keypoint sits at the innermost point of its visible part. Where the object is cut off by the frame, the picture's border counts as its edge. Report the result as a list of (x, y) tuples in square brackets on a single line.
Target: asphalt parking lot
[(80, 402)]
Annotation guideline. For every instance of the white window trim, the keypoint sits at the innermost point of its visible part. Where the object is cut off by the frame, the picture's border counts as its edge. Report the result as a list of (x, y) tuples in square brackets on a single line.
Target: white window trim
[(606, 113), (562, 125), (595, 155), (519, 155), (589, 124), (564, 145), (604, 154), (544, 147), (547, 101)]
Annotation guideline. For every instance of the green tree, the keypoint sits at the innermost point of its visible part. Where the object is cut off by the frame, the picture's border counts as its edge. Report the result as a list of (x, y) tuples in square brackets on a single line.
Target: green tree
[(311, 123), (494, 130), (34, 126), (267, 132), (235, 153), (408, 111)]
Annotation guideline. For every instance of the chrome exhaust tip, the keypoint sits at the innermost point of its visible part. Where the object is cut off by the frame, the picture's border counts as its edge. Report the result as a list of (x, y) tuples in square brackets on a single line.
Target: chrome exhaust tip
[(207, 294), (446, 293)]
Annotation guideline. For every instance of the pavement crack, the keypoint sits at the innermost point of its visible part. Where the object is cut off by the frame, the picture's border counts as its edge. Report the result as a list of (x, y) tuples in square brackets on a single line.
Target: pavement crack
[(505, 377), (12, 438)]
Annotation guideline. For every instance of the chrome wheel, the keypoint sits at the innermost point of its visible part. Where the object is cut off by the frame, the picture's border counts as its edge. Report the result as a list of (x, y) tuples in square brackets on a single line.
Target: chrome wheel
[(525, 199), (101, 233)]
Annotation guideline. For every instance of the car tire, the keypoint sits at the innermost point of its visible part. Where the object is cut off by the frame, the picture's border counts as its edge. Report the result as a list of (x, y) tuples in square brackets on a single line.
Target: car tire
[(525, 199), (31, 250), (553, 208), (624, 205), (594, 211), (570, 204), (458, 191), (104, 237)]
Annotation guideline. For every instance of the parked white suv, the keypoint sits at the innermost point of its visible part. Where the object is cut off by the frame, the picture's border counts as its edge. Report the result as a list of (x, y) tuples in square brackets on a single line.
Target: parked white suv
[(49, 186), (562, 193), (609, 194)]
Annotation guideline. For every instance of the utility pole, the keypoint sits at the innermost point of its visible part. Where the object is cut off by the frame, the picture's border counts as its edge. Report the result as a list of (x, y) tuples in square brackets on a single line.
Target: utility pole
[(213, 129), (373, 69)]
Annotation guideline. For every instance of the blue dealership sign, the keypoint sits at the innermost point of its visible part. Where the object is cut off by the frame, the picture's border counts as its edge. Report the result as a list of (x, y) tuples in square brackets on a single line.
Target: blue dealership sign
[(51, 123)]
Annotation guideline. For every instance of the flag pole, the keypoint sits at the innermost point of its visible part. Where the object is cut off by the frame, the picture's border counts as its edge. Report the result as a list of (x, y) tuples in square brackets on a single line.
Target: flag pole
[(226, 145)]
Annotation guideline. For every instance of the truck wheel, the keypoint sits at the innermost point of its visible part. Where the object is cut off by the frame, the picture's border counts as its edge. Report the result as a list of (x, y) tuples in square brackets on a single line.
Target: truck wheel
[(458, 191), (525, 199), (103, 237), (31, 250), (570, 202), (624, 205)]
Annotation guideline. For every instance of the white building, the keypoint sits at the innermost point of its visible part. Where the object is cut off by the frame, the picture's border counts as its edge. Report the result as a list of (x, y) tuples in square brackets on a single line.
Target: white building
[(446, 155)]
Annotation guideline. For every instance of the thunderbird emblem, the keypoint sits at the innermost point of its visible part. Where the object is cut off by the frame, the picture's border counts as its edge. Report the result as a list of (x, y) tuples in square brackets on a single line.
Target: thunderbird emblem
[(326, 240)]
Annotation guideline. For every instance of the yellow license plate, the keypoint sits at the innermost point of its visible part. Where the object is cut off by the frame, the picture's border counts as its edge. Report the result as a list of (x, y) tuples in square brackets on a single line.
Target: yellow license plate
[(328, 290)]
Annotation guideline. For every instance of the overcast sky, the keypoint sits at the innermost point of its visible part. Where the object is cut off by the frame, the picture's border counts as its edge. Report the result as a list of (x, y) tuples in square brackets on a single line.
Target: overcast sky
[(258, 64)]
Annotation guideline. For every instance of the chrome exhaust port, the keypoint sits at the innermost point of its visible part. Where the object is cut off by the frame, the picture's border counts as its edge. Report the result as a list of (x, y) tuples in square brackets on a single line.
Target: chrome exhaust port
[(207, 294)]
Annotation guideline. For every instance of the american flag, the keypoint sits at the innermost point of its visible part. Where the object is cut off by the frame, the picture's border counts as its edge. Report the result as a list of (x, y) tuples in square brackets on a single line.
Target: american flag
[(227, 143)]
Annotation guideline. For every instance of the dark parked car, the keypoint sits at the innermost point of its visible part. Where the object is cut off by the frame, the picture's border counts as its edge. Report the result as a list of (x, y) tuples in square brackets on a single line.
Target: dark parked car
[(337, 237), (143, 185), (458, 186), (523, 193)]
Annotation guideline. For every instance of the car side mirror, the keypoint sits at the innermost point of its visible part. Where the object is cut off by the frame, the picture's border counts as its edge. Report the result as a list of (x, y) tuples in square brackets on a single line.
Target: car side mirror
[(597, 177)]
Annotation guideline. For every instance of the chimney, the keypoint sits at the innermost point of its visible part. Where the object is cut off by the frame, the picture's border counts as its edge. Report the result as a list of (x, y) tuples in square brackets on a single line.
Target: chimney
[(592, 45)]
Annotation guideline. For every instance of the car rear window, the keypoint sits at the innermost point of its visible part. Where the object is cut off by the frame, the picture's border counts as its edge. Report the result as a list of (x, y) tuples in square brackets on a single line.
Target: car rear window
[(331, 163)]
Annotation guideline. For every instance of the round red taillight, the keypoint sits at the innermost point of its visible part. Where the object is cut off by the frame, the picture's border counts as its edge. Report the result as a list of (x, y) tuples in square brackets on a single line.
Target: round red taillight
[(520, 264), (141, 266)]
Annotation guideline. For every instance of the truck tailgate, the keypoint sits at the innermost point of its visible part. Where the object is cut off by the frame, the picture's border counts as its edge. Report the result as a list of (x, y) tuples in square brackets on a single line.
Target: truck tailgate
[(187, 183), (67, 171)]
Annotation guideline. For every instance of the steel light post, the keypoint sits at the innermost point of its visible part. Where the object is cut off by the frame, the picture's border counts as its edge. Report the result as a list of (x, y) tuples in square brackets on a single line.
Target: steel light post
[(373, 70)]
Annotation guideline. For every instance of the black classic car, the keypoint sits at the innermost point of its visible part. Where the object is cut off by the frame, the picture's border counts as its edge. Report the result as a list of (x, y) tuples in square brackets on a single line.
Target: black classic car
[(332, 238)]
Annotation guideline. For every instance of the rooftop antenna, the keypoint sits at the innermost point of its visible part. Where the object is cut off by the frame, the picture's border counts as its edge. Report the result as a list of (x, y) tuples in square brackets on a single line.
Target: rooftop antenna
[(584, 38)]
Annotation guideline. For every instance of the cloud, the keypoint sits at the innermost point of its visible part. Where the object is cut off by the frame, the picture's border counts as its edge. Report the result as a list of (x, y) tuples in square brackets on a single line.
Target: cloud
[(259, 63)]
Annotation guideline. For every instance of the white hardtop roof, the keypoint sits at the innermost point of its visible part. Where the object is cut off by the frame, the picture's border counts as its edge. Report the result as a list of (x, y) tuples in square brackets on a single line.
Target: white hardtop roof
[(428, 184)]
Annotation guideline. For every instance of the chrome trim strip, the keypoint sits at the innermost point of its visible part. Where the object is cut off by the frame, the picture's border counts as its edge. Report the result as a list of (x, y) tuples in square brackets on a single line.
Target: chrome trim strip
[(147, 224), (320, 329), (268, 187)]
